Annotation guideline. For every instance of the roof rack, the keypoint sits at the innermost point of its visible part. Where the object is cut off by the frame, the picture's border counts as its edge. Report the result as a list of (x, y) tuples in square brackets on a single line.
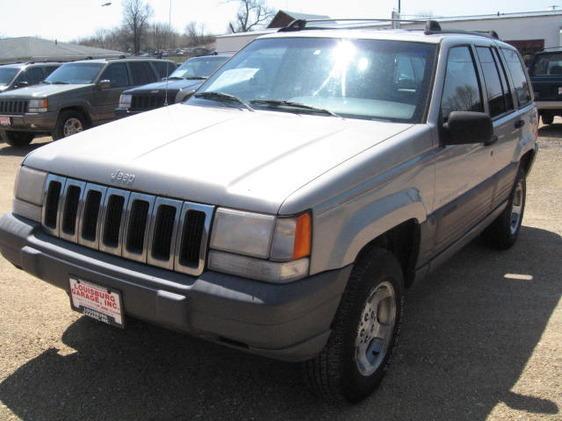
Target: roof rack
[(431, 26), (302, 24)]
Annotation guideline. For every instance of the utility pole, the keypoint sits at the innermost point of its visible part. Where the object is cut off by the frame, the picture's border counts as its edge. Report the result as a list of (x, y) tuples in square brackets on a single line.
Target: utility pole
[(396, 16)]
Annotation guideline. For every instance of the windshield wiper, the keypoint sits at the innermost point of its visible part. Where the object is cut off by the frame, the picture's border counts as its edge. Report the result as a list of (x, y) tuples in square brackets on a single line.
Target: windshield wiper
[(196, 77), (59, 82), (222, 97), (292, 104), (174, 78)]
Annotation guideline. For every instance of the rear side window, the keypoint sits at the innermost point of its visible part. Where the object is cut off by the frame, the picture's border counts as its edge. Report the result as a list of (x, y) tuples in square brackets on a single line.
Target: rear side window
[(520, 82), (142, 73), (505, 80), (462, 90), (32, 76), (164, 68), (495, 87), (116, 73)]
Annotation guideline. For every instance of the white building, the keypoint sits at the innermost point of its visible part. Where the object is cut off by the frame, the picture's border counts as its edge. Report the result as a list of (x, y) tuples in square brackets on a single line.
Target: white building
[(528, 31)]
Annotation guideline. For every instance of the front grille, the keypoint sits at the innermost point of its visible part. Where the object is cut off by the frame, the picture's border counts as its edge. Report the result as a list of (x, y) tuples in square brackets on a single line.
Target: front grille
[(144, 102), (13, 106), (167, 233)]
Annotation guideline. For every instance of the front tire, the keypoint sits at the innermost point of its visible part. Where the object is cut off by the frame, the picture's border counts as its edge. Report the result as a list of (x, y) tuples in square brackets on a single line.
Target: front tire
[(18, 139), (364, 331), (69, 123), (503, 232)]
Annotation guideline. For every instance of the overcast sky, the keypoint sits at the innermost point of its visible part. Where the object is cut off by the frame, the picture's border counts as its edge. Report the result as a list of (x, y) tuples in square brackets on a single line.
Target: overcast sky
[(70, 19)]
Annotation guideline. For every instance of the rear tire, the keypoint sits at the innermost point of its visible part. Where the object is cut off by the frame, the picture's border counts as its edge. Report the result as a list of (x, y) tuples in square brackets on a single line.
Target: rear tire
[(547, 118), (364, 331), (503, 232), (68, 123), (18, 139)]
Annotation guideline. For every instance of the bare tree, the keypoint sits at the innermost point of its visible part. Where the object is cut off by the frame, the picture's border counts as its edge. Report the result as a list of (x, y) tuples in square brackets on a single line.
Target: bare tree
[(251, 14), (196, 34), (161, 36), (135, 17)]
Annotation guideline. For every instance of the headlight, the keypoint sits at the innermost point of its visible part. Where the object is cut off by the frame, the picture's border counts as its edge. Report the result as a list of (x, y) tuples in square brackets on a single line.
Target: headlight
[(28, 192), (38, 105), (125, 101), (262, 247)]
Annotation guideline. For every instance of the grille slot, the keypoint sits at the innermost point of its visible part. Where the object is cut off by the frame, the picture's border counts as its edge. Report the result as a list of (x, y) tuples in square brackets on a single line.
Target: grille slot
[(163, 232), (136, 229), (192, 233), (90, 216), (52, 204), (171, 234), (113, 216), (70, 212)]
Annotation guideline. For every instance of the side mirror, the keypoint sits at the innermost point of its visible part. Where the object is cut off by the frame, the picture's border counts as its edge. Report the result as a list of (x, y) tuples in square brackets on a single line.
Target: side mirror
[(464, 127), (104, 84), (22, 84)]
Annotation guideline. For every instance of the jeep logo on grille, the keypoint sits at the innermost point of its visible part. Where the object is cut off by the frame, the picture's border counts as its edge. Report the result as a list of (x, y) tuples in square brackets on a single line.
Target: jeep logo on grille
[(122, 177)]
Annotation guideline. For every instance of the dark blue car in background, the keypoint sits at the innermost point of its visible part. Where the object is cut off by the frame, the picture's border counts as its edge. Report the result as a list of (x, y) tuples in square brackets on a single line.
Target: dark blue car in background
[(181, 84), (545, 71)]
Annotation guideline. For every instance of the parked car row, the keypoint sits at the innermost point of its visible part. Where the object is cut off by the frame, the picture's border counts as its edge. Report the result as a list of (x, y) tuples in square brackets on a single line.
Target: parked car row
[(61, 100)]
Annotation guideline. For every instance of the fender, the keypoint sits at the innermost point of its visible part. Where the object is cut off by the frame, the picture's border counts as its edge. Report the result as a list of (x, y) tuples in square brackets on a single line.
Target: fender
[(361, 226)]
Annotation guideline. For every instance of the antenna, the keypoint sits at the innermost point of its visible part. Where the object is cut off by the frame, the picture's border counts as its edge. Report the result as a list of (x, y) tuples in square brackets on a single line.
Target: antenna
[(168, 61)]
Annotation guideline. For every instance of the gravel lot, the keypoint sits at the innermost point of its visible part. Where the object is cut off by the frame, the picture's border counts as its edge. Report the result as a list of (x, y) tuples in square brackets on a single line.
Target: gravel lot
[(476, 343)]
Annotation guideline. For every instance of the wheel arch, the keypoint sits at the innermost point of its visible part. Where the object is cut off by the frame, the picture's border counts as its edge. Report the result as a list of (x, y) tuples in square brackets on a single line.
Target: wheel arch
[(527, 160), (403, 241), (80, 109), (393, 223)]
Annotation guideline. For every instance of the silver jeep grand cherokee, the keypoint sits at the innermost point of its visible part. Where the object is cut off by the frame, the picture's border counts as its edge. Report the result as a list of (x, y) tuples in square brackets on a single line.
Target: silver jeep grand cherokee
[(284, 209)]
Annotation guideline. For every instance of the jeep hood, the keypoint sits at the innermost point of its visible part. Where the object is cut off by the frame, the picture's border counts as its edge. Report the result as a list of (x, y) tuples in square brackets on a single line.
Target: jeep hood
[(223, 156), (44, 90)]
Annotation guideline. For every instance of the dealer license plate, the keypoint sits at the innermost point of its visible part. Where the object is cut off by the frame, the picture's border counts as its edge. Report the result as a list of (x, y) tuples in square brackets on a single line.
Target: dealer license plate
[(97, 302), (5, 121)]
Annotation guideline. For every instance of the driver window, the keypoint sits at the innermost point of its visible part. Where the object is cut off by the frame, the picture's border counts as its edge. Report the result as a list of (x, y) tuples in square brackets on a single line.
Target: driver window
[(116, 73), (462, 90)]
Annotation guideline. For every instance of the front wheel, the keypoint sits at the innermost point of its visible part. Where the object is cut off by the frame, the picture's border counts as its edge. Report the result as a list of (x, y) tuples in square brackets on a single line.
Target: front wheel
[(364, 331), (69, 123), (503, 232)]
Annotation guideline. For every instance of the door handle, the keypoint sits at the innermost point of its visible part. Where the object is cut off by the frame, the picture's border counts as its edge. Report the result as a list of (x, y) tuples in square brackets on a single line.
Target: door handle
[(519, 124)]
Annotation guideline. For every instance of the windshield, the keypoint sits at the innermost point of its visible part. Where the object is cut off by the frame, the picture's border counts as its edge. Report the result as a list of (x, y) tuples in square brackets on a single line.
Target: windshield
[(547, 64), (75, 73), (7, 74), (198, 67), (369, 79)]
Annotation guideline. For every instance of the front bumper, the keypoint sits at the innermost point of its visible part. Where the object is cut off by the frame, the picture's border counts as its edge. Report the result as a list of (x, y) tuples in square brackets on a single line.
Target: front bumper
[(121, 112), (289, 322), (33, 123)]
